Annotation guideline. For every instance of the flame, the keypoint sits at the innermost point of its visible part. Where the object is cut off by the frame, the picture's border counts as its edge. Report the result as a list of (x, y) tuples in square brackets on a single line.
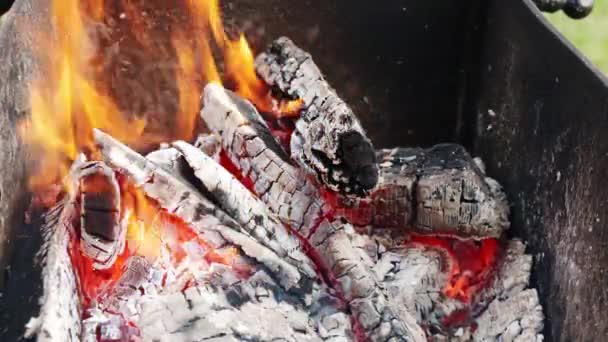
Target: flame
[(471, 264), (65, 101), (143, 223), (239, 63), (70, 96)]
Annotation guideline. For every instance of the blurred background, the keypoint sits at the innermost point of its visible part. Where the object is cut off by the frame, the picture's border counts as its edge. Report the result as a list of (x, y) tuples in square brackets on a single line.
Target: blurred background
[(589, 35)]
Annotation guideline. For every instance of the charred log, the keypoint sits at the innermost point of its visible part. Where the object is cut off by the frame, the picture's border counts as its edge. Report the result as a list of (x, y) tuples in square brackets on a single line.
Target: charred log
[(60, 312), (439, 191), (249, 211), (246, 139), (343, 252), (102, 233), (328, 140)]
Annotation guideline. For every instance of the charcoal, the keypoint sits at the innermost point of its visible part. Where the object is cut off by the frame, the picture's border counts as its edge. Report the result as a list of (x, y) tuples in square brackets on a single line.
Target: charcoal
[(102, 233), (247, 140), (437, 191), (328, 141)]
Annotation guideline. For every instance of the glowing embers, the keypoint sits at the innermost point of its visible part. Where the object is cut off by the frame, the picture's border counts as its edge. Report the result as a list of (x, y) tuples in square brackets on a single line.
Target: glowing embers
[(165, 242), (84, 84), (471, 264)]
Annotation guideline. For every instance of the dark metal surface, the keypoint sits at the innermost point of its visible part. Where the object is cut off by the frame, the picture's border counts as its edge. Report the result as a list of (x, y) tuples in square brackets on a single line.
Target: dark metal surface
[(542, 118), (396, 63)]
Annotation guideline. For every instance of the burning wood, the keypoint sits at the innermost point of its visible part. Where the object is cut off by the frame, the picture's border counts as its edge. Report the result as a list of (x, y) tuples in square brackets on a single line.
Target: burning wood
[(256, 231), (330, 282), (102, 233), (328, 140), (260, 159), (439, 191), (361, 269), (274, 247)]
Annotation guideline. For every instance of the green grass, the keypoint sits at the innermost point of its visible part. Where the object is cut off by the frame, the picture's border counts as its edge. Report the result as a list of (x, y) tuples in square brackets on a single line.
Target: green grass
[(589, 35)]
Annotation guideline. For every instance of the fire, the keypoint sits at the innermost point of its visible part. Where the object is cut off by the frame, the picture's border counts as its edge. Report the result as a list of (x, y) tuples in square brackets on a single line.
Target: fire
[(71, 95), (239, 63), (151, 231), (471, 264), (66, 103)]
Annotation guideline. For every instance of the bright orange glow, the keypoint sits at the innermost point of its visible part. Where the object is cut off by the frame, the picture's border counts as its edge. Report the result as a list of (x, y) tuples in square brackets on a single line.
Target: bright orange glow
[(151, 231), (471, 264), (239, 69), (65, 102)]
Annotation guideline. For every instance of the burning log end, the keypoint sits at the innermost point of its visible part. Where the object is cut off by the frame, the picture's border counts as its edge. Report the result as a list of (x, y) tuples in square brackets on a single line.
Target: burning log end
[(102, 233), (359, 157), (328, 140)]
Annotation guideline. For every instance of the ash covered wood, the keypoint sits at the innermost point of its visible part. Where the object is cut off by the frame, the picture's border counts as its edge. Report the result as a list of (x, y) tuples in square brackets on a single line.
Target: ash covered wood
[(272, 246), (59, 318), (250, 212), (440, 191), (222, 306), (102, 233), (342, 251), (247, 140), (328, 140), (415, 277)]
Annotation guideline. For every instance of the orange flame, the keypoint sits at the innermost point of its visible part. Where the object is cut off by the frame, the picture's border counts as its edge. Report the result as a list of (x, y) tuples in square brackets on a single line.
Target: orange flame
[(65, 102), (71, 97), (239, 62)]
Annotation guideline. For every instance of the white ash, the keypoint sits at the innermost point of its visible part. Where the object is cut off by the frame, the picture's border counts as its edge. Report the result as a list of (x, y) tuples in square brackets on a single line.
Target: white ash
[(250, 212), (247, 140), (328, 141), (438, 191)]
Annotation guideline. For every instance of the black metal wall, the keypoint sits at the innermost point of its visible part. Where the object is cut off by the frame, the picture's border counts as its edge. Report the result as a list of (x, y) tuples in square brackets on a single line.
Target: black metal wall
[(397, 62), (542, 118)]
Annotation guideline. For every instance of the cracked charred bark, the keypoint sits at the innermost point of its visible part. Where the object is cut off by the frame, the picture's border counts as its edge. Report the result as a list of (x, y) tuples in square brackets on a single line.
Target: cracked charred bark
[(267, 244), (328, 141), (247, 140), (438, 191)]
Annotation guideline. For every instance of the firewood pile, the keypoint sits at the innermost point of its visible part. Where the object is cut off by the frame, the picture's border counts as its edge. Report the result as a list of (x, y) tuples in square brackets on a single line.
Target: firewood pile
[(290, 228)]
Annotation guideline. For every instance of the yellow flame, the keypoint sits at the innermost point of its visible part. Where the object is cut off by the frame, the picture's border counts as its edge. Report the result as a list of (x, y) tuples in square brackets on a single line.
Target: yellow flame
[(143, 224), (68, 99)]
